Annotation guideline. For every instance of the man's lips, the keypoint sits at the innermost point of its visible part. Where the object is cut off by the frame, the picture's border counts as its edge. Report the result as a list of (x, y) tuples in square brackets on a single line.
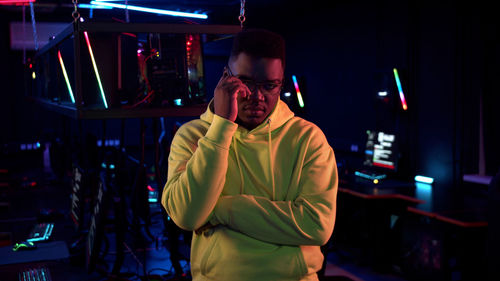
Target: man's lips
[(253, 108)]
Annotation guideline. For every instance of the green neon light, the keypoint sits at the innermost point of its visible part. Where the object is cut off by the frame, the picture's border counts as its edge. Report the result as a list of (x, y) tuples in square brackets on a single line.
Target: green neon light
[(299, 94), (66, 77), (400, 89)]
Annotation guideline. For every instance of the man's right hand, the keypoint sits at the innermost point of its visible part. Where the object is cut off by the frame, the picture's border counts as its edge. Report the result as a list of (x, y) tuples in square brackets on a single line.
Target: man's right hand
[(226, 96)]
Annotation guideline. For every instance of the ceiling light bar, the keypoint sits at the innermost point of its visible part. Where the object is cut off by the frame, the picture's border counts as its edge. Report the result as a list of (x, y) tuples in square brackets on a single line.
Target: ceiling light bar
[(66, 77), (150, 10), (89, 6)]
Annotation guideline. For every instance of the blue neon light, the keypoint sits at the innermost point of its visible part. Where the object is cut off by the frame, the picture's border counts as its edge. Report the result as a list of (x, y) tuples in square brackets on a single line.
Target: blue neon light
[(89, 6), (424, 179), (297, 90), (150, 10), (400, 89)]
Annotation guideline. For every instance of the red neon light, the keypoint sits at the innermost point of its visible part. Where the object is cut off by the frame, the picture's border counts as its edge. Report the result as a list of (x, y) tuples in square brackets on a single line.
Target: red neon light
[(403, 102), (383, 165), (129, 34), (150, 188), (16, 2)]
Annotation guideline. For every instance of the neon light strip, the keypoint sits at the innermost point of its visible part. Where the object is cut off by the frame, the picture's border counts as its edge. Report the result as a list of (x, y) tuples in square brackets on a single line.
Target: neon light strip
[(15, 2), (150, 10), (299, 95), (400, 89), (103, 96), (424, 179), (88, 6), (66, 77), (370, 177)]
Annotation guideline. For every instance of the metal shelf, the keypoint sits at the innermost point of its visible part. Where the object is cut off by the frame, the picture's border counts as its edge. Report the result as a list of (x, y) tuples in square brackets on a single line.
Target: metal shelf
[(117, 113), (74, 32)]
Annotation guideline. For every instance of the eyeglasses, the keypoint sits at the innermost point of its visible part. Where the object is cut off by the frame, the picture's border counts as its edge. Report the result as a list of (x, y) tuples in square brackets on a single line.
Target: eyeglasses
[(266, 88)]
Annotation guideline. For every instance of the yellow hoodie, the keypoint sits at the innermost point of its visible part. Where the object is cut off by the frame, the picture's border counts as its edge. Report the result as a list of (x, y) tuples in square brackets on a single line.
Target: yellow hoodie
[(270, 192)]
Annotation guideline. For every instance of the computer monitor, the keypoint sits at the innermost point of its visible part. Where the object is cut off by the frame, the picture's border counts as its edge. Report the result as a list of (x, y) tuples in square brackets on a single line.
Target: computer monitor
[(381, 151)]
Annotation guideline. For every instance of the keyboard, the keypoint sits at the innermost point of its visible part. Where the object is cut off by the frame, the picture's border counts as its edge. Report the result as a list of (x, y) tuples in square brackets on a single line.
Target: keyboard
[(35, 274), (41, 232)]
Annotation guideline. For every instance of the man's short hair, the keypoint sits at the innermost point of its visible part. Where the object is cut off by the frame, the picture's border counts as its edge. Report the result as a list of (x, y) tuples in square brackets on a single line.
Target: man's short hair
[(259, 43)]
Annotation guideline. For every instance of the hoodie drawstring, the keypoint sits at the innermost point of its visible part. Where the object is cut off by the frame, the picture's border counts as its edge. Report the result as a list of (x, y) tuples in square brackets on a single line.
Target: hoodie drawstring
[(269, 142), (239, 166), (271, 157)]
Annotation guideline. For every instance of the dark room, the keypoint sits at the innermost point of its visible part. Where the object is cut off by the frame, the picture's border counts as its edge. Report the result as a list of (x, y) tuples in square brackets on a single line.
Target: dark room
[(221, 140)]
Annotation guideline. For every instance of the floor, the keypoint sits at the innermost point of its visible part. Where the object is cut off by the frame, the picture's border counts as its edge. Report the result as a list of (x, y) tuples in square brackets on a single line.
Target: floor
[(34, 194)]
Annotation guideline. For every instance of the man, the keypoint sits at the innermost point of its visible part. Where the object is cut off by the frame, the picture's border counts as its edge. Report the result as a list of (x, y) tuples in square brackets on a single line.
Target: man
[(256, 184)]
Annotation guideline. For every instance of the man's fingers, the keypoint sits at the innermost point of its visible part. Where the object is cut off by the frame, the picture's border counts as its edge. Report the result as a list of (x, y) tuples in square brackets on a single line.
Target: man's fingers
[(236, 87), (233, 86)]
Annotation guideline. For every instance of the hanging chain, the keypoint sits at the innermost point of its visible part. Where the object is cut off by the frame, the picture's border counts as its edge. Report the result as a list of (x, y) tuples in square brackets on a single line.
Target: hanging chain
[(75, 14), (242, 18)]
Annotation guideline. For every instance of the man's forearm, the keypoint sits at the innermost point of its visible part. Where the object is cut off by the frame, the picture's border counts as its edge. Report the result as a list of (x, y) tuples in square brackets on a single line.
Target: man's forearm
[(196, 179)]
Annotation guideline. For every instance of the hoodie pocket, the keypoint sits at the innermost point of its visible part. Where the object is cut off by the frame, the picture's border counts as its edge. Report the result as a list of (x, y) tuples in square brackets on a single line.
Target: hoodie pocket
[(206, 263), (302, 266)]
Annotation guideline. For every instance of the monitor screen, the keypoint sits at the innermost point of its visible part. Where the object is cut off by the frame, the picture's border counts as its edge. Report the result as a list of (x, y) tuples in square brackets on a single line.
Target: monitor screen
[(381, 150)]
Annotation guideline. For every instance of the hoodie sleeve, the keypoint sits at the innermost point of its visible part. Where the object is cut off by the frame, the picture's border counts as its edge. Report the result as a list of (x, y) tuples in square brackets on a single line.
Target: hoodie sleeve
[(196, 173), (308, 220)]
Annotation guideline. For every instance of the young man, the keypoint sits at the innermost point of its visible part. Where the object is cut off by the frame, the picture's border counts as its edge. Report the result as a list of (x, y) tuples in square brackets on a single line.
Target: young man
[(256, 184)]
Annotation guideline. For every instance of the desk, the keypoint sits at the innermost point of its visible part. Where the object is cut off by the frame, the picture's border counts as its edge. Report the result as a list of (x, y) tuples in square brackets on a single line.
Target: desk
[(366, 216), (459, 206), (433, 232), (385, 190), (448, 234)]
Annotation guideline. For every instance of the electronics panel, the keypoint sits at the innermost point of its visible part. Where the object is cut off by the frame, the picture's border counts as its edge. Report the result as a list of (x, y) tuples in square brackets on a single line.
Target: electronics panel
[(381, 150), (125, 68)]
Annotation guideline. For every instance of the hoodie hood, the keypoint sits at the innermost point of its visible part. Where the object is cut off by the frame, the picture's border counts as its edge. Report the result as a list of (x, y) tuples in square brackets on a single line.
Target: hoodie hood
[(278, 116)]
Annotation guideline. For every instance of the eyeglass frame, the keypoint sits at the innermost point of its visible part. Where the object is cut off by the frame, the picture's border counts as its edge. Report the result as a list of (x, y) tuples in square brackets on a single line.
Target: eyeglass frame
[(255, 84)]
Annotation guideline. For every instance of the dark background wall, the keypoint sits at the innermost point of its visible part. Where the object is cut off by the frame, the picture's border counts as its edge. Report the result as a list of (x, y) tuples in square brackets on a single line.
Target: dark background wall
[(448, 53)]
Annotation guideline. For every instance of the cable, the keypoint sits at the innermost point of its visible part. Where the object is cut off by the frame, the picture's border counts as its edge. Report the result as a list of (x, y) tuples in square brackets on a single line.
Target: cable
[(150, 92), (169, 271), (137, 260)]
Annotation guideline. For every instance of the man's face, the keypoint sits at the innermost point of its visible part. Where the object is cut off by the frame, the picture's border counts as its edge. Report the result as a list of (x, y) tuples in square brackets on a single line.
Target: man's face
[(267, 73)]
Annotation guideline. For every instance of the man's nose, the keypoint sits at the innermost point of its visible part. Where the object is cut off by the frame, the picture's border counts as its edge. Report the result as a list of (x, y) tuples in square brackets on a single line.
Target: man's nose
[(256, 93)]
